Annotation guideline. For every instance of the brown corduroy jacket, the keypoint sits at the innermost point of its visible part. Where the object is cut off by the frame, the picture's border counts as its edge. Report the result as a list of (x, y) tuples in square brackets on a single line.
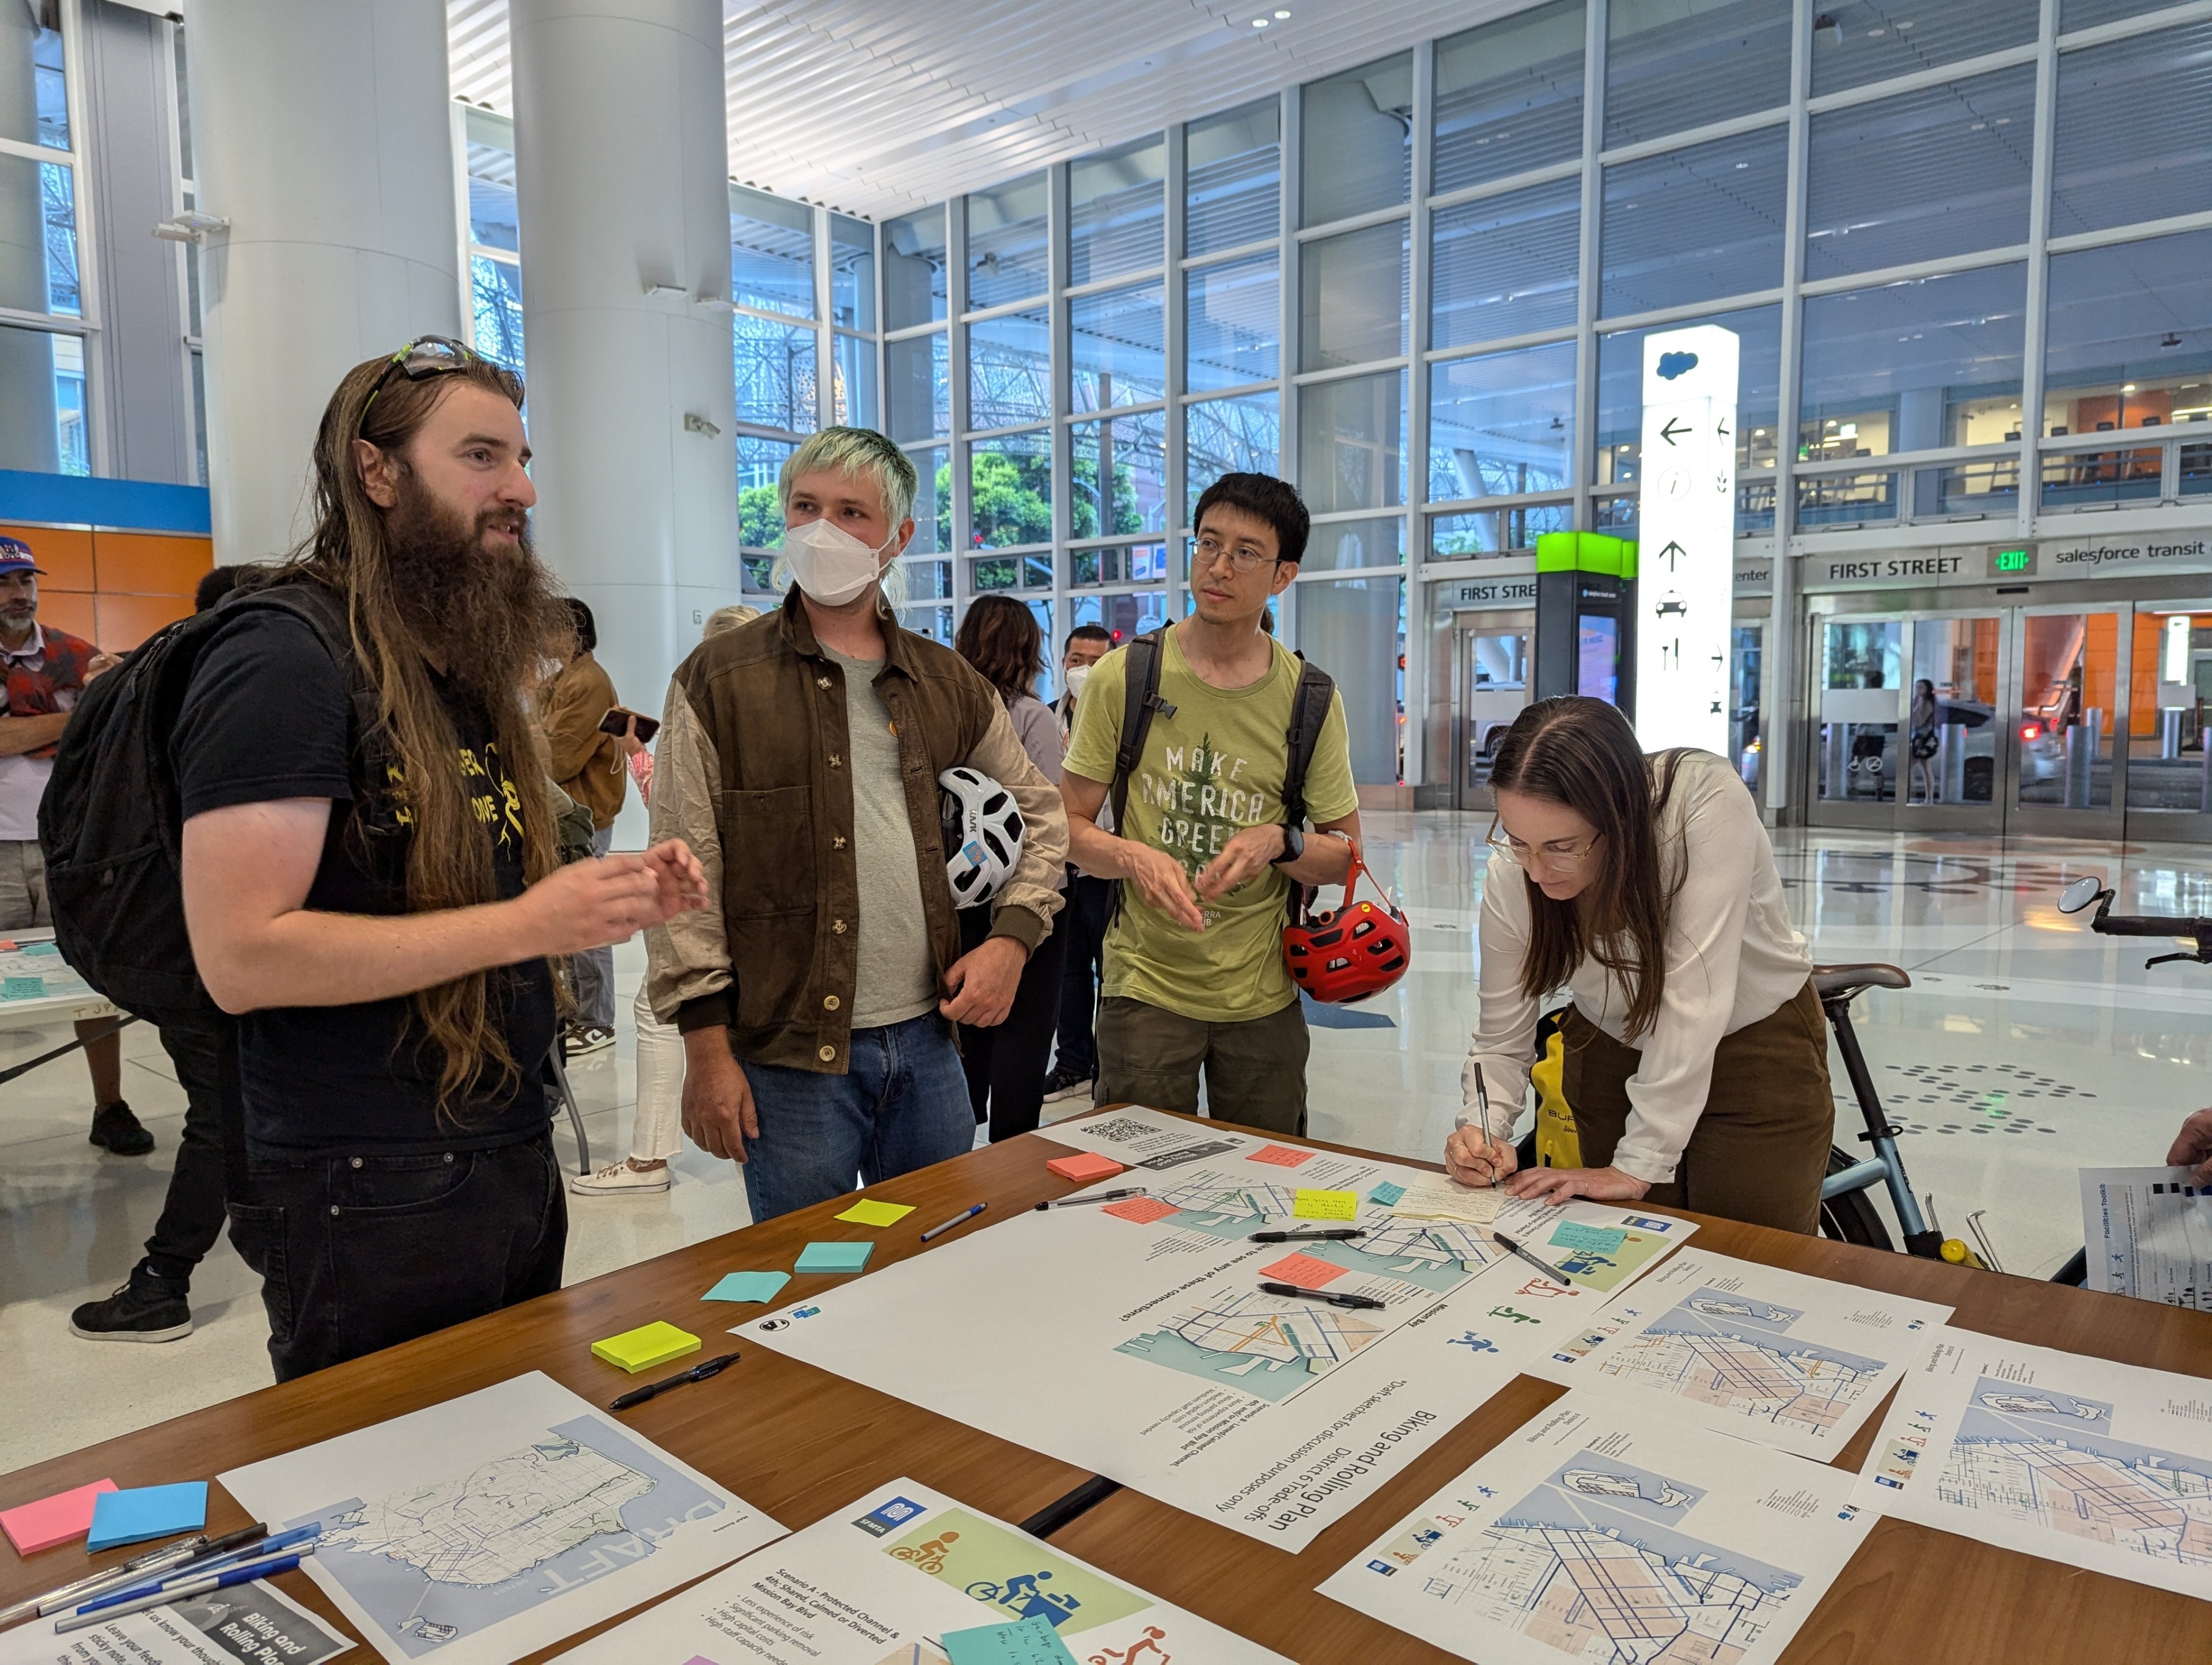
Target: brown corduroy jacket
[(584, 762)]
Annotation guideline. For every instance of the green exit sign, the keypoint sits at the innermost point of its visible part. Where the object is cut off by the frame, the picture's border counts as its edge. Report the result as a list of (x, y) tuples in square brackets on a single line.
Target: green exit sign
[(2012, 563)]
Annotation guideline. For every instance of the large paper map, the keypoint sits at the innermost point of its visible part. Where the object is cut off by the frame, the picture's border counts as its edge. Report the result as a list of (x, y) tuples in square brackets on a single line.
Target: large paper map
[(2077, 1460), (497, 1523), (1135, 1340), (1751, 1350), (1583, 1537)]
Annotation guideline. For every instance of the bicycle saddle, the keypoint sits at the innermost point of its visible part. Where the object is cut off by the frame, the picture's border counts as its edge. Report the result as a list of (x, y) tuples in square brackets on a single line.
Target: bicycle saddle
[(1829, 981)]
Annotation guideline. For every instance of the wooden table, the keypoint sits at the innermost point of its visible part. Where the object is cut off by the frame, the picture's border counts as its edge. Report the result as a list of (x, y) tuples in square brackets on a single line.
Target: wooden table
[(800, 1443)]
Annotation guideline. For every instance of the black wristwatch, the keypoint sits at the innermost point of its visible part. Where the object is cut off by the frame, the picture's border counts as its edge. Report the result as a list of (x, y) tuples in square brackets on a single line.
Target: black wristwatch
[(1294, 846)]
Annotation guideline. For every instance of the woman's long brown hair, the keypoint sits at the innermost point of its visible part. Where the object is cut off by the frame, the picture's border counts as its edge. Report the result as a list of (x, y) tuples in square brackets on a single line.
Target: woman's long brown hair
[(449, 854), (1000, 637), (1581, 753)]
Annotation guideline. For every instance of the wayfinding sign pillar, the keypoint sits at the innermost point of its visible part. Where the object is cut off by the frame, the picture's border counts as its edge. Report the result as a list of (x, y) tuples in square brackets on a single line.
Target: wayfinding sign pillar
[(1686, 532)]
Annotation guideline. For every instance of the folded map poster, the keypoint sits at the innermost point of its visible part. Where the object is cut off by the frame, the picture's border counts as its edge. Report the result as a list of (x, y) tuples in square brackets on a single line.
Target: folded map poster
[(497, 1523), (1609, 1533), (881, 1581), (1791, 1361), (2077, 1460)]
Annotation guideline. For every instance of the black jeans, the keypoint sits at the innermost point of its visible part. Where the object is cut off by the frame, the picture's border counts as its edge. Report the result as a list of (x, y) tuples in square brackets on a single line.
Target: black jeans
[(1005, 1065), (1082, 922), (211, 1151), (359, 1253)]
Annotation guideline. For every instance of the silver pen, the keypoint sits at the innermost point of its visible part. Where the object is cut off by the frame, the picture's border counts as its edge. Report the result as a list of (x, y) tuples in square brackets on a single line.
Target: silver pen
[(1482, 1103), (153, 1562)]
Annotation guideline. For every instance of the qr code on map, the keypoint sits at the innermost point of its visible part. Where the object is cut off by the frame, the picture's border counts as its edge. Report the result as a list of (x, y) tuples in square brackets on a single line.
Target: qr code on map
[(1121, 1132)]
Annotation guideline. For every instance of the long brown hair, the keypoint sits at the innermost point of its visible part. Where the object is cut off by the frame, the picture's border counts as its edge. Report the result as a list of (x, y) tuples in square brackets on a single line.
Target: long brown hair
[(1000, 637), (1581, 753), (353, 551)]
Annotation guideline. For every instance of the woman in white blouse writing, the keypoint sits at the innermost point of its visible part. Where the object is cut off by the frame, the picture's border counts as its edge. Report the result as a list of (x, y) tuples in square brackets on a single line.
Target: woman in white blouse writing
[(1696, 1056)]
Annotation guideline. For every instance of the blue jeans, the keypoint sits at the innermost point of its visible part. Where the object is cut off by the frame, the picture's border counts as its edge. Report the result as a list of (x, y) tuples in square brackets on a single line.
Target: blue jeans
[(901, 1104)]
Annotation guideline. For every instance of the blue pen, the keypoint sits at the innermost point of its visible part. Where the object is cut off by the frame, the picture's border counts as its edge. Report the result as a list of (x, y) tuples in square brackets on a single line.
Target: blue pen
[(267, 1546), (963, 1215), (184, 1592)]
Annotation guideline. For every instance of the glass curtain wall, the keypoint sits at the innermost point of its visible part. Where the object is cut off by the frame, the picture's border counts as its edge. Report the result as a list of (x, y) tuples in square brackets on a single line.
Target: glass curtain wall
[(44, 302), (494, 245)]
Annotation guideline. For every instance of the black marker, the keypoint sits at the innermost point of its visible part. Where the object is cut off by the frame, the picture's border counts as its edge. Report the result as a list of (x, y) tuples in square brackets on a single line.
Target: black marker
[(1551, 1273), (697, 1373), (1343, 1235), (1103, 1196), (1363, 1303)]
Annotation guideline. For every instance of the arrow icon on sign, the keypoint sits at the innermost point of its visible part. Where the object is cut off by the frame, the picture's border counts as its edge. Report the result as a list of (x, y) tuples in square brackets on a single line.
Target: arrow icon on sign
[(1674, 425), (1671, 552), (1723, 430)]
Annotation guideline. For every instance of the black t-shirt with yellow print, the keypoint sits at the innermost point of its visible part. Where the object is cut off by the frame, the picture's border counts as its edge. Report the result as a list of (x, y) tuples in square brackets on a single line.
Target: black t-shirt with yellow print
[(266, 719)]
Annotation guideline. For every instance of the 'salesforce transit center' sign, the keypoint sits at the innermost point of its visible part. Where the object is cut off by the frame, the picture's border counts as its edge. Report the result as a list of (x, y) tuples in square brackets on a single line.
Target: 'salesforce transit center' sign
[(1686, 538)]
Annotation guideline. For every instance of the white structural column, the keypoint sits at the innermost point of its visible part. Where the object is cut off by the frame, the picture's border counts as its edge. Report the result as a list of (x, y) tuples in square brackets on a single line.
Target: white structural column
[(320, 132), (621, 167)]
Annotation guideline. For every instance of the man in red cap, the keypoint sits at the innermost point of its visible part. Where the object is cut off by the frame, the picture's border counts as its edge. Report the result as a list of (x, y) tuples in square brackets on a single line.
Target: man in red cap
[(47, 670)]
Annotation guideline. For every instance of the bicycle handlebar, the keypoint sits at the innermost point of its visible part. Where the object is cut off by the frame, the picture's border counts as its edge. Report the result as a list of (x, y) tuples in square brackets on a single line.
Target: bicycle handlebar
[(2143, 925)]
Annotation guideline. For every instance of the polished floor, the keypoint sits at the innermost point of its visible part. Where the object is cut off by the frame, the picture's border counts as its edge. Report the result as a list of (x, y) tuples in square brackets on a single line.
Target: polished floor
[(2026, 1048)]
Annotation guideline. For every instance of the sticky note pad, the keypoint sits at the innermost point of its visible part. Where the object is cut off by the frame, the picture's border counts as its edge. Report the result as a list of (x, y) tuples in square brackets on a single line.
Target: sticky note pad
[(22, 988), (865, 1213), (146, 1511), (642, 1348), (1598, 1239), (1030, 1641), (32, 1526), (1084, 1166), (834, 1257), (1280, 1156), (1325, 1205), (1143, 1210), (748, 1286), (1382, 1196), (53, 948), (1303, 1270)]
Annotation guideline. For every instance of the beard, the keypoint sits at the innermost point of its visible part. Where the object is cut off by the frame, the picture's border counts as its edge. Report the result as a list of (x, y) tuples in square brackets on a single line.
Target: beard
[(486, 611)]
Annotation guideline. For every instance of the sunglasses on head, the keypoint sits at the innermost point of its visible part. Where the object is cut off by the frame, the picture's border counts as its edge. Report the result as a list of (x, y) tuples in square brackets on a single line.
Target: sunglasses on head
[(425, 356)]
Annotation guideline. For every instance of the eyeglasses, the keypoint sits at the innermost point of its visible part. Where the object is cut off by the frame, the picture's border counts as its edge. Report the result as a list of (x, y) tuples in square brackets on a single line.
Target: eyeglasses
[(425, 356), (1560, 856), (1243, 559)]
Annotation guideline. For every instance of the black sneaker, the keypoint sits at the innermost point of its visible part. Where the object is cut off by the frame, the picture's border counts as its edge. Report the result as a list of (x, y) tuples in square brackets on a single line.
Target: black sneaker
[(1065, 1084), (144, 1310), (115, 1127)]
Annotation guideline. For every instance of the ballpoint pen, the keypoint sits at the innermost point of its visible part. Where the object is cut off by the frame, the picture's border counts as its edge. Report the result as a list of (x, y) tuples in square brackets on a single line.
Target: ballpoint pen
[(1097, 1196), (1482, 1104), (1551, 1273), (1363, 1303), (698, 1372), (1338, 1234), (135, 1569), (964, 1215), (185, 1592), (220, 1554)]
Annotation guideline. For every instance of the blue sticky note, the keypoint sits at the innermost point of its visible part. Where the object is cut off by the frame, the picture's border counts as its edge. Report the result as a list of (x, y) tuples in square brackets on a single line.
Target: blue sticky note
[(1030, 1641), (146, 1511), (54, 948), (834, 1257), (1383, 1195), (748, 1286), (22, 988), (1598, 1239)]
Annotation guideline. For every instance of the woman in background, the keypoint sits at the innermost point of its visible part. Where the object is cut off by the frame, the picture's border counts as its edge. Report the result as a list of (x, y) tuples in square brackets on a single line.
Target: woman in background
[(1006, 1066)]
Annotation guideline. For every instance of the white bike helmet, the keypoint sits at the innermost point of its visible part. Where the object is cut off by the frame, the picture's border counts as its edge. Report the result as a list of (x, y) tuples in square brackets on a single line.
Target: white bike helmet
[(982, 835)]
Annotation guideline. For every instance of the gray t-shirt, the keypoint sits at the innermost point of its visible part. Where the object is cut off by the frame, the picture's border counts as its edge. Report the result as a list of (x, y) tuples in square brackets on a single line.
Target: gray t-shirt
[(893, 981)]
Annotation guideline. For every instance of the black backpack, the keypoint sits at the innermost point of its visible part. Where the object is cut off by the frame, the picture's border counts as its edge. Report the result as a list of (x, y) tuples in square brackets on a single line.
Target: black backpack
[(112, 824), (1141, 689)]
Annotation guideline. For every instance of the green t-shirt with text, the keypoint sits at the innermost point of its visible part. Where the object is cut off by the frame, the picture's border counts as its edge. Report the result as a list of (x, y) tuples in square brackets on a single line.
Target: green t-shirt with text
[(1213, 769)]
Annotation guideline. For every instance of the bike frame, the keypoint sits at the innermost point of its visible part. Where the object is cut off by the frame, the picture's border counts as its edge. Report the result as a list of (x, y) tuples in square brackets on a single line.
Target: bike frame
[(1885, 1164)]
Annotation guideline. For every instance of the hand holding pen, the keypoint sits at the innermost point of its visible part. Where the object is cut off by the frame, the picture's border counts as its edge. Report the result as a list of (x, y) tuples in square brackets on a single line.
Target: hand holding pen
[(1472, 1157)]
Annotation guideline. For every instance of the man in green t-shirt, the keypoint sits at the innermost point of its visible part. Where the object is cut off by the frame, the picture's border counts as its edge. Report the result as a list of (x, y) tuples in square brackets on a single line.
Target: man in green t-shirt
[(1193, 963)]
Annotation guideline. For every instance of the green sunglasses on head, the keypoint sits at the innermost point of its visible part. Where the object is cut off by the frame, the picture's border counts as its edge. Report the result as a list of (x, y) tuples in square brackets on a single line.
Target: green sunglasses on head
[(425, 356)]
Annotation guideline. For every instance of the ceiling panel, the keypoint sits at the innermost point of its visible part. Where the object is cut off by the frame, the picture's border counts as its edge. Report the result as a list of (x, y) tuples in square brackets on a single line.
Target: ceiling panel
[(878, 107)]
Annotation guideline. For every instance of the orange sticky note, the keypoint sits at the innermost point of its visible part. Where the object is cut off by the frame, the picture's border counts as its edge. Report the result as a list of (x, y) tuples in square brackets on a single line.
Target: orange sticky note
[(1084, 1167), (33, 1527), (1143, 1210), (1279, 1155), (1303, 1270)]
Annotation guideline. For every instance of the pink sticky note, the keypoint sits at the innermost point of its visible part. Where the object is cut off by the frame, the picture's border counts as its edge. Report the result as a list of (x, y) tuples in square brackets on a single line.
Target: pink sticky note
[(1084, 1167), (33, 1527), (1143, 1210), (1279, 1155), (1303, 1270)]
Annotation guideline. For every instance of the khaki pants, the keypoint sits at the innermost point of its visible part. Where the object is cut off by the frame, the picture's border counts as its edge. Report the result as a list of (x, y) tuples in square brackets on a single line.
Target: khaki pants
[(23, 886), (1761, 1148), (1255, 1070)]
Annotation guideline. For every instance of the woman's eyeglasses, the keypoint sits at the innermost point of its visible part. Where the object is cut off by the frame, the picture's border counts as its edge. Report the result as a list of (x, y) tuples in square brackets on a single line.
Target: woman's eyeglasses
[(1561, 855)]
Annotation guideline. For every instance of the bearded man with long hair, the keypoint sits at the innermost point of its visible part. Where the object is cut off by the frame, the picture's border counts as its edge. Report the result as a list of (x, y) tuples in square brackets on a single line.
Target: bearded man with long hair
[(369, 875)]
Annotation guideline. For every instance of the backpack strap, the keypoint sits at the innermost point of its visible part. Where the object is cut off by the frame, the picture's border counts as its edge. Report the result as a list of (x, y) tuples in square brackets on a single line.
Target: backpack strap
[(1141, 698), (1309, 711)]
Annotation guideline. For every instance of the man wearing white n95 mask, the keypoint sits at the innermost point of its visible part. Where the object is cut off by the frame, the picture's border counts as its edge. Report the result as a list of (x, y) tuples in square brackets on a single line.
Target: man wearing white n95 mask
[(817, 992)]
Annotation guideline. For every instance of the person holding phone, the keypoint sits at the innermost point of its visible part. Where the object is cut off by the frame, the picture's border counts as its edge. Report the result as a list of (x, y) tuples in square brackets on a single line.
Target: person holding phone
[(585, 760)]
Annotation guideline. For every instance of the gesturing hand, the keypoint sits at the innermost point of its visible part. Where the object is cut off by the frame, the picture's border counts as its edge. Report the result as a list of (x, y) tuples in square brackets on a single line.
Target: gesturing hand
[(681, 880), (2193, 1144), (1247, 852), (1160, 879)]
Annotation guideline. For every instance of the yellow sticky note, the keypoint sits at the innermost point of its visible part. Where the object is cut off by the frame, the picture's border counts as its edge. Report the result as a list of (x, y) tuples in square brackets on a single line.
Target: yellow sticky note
[(1327, 1206), (865, 1213), (642, 1348)]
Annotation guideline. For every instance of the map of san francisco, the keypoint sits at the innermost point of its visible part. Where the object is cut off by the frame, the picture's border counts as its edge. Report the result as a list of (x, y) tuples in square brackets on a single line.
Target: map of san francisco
[(1437, 1254), (1595, 1565), (1737, 1355), (1269, 1345)]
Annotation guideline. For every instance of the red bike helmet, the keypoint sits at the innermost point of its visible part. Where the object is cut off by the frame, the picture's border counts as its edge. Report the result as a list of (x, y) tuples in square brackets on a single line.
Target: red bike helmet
[(1356, 949)]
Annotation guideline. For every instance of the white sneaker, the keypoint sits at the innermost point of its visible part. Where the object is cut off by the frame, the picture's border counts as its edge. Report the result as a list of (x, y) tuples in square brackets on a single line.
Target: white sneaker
[(1061, 1084), (618, 1177)]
